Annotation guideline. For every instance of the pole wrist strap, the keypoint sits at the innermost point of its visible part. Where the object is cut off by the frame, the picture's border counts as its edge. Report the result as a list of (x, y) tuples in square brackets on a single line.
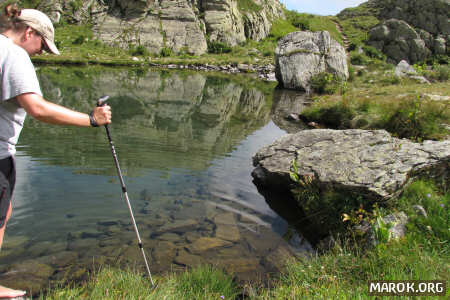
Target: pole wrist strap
[(92, 119)]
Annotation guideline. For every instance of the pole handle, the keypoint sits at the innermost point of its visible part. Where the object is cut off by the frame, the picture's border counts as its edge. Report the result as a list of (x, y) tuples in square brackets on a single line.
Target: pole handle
[(102, 100)]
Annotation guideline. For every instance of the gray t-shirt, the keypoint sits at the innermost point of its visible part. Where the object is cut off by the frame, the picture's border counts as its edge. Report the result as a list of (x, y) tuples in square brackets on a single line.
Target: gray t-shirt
[(17, 77)]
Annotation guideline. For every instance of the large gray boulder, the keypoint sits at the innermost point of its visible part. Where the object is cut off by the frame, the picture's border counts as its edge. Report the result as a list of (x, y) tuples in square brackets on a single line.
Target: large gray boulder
[(399, 41), (301, 55), (429, 18), (429, 15), (365, 163)]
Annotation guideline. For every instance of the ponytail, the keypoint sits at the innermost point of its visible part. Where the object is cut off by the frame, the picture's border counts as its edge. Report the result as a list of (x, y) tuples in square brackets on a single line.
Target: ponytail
[(8, 20)]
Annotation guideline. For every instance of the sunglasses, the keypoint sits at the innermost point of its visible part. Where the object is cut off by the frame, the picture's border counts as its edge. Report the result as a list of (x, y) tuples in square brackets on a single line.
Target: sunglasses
[(43, 43)]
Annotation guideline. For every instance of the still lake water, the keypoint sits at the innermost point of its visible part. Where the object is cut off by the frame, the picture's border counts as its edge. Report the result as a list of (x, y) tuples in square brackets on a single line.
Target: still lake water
[(184, 141)]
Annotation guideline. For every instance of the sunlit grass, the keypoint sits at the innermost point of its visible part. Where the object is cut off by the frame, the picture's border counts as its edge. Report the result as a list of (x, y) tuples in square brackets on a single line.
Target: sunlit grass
[(376, 99), (203, 282)]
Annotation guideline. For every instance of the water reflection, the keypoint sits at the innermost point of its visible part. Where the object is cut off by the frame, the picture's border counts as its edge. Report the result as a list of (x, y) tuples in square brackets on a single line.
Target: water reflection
[(184, 141), (188, 117)]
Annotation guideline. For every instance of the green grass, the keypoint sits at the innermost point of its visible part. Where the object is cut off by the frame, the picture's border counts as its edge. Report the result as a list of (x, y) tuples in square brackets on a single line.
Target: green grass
[(303, 21), (280, 28), (356, 23), (376, 99), (344, 272), (203, 282), (248, 6), (356, 29)]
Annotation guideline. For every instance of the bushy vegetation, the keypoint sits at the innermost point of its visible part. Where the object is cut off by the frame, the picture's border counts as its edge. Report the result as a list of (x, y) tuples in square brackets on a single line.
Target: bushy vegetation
[(325, 83), (139, 50), (438, 73), (218, 47)]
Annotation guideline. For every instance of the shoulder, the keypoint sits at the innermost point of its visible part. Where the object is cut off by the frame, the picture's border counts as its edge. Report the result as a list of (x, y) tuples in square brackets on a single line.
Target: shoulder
[(11, 52)]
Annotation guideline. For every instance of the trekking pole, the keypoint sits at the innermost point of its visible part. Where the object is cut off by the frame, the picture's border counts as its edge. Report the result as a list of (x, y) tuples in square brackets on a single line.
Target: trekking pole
[(101, 102)]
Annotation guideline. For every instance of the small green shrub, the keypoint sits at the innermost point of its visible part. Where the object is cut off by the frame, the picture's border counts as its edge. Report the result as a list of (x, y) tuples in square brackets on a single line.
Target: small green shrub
[(267, 53), (440, 73), (351, 73), (359, 59), (79, 40), (301, 21), (139, 50), (324, 83), (75, 5), (390, 80), (165, 52), (373, 52), (439, 59), (218, 47), (354, 46), (337, 116)]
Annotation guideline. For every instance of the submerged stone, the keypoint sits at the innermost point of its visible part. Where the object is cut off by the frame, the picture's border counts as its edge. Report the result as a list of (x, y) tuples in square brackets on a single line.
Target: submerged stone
[(28, 275), (187, 259), (46, 247), (60, 259), (226, 227), (178, 226), (207, 243), (279, 257)]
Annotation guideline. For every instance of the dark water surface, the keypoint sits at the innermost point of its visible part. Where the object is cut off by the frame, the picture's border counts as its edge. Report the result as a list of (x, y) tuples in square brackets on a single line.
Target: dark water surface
[(184, 141)]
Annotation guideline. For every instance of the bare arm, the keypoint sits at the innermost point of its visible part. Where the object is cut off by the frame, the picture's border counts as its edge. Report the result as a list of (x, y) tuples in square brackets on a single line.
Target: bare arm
[(52, 113)]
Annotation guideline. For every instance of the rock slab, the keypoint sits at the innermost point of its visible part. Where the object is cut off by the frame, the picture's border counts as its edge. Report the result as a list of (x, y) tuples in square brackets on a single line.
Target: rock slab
[(369, 163)]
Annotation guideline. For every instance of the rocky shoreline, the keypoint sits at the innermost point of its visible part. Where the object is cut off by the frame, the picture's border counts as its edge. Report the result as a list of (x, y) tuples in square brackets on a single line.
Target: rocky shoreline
[(263, 72)]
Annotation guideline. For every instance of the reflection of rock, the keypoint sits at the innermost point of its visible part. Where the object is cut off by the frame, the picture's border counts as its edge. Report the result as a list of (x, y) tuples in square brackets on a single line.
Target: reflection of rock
[(178, 113), (286, 103)]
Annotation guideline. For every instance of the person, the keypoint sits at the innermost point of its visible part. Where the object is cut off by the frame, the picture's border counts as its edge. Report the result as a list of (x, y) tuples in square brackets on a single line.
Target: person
[(25, 33)]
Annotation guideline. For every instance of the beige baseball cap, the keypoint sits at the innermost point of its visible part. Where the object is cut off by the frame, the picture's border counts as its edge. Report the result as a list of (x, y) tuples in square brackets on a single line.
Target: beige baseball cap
[(42, 24)]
